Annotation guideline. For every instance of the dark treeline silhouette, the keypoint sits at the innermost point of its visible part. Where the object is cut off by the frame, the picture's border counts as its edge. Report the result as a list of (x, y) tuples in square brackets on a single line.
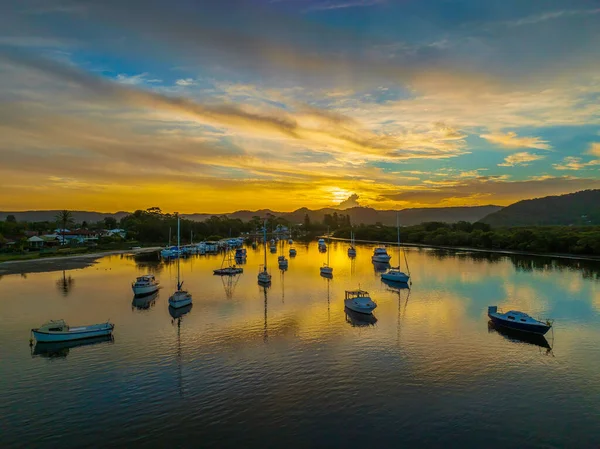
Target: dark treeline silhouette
[(584, 240)]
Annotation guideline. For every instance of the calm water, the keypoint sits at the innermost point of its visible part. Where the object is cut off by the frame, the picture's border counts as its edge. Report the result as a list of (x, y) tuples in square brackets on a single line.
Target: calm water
[(253, 368)]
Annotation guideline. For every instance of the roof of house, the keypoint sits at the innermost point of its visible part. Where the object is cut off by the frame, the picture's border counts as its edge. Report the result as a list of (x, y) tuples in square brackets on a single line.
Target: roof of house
[(35, 238)]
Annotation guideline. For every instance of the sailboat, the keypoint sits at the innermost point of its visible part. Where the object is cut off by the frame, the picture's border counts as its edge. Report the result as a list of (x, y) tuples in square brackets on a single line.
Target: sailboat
[(264, 277), (229, 270), (281, 260), (394, 274), (180, 298), (326, 270), (352, 249)]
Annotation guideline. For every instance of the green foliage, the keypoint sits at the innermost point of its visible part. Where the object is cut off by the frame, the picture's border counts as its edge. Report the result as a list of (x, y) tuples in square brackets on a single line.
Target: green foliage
[(583, 240), (11, 219)]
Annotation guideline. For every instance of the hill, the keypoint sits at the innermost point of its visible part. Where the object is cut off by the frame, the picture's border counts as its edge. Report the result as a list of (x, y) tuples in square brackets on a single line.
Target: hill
[(579, 208), (50, 215), (358, 215)]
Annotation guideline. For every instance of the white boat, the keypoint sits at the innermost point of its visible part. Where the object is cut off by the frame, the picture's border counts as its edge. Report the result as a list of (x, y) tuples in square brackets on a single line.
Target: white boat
[(293, 252), (145, 285), (58, 330), (395, 274), (327, 270), (264, 277), (180, 298), (359, 301), (380, 255), (352, 249)]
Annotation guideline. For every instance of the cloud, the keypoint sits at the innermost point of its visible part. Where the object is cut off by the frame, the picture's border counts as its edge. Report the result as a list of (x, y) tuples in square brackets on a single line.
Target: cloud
[(493, 190), (574, 163), (135, 80), (594, 149), (324, 6), (520, 159), (351, 201), (511, 140), (185, 82), (550, 15)]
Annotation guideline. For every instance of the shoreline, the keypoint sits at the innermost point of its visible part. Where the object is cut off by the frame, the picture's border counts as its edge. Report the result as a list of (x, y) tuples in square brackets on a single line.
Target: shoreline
[(73, 262), (506, 252)]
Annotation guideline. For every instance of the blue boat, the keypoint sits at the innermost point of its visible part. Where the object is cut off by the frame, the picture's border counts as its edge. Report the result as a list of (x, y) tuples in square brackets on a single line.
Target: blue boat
[(519, 321)]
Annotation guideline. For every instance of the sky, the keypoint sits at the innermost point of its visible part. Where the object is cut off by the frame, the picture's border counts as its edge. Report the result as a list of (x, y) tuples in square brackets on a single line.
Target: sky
[(210, 107)]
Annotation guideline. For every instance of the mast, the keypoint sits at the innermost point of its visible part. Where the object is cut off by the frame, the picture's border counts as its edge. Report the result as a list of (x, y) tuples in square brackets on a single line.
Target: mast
[(265, 243), (178, 251), (169, 235), (398, 230), (328, 245)]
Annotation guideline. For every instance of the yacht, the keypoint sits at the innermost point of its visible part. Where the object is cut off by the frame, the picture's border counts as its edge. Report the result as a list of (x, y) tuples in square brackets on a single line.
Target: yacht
[(264, 277), (180, 298), (395, 274), (380, 255), (58, 330), (359, 301), (293, 252), (520, 321), (145, 285), (326, 269), (352, 249)]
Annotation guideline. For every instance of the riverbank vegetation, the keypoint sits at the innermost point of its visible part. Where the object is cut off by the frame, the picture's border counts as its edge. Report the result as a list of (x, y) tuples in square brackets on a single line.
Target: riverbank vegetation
[(583, 240)]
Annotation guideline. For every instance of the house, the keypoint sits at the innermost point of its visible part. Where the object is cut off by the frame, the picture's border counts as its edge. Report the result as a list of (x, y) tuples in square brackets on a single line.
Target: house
[(76, 236), (115, 233), (35, 242)]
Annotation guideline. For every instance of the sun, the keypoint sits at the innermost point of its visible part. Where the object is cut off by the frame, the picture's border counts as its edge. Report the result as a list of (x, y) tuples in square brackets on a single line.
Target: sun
[(338, 195)]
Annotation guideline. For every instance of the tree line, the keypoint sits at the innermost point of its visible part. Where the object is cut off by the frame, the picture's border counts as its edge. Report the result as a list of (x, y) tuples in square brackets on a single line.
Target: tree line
[(584, 240)]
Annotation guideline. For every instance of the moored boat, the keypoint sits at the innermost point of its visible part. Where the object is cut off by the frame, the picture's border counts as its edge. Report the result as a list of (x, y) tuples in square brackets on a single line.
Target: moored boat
[(395, 274), (264, 277), (380, 255), (359, 301), (520, 321), (180, 298), (58, 330), (293, 252), (145, 285), (326, 269)]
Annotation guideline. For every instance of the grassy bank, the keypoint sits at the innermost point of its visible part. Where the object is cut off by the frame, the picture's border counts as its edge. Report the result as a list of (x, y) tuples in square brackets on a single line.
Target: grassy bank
[(65, 252)]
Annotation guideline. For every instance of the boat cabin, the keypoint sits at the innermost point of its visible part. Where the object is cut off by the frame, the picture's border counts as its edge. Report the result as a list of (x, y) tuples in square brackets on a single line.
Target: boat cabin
[(148, 278), (350, 294), (54, 326)]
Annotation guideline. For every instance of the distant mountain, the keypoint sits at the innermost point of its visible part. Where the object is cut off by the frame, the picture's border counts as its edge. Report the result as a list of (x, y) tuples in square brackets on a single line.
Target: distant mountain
[(579, 208), (50, 215), (368, 215), (358, 215)]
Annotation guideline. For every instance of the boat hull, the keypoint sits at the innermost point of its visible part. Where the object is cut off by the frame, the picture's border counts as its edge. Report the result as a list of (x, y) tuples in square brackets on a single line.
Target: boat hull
[(179, 303), (327, 271), (381, 259), (398, 277), (145, 290), (47, 337), (539, 329), (358, 308)]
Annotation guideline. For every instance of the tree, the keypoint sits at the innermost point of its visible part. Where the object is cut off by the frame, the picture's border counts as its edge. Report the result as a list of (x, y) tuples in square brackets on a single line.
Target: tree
[(11, 219), (306, 222), (110, 222), (64, 217), (84, 225)]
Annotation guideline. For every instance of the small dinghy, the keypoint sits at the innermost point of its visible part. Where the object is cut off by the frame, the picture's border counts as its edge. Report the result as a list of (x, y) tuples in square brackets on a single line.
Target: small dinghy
[(58, 330), (359, 301), (519, 321)]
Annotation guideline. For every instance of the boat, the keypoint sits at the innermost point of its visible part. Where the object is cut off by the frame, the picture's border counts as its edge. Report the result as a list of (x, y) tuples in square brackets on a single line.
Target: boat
[(352, 249), (58, 330), (170, 252), (326, 269), (145, 285), (380, 255), (520, 321), (282, 261), (231, 269), (180, 298), (240, 253), (264, 277), (322, 245), (395, 274), (290, 242), (293, 252), (359, 301)]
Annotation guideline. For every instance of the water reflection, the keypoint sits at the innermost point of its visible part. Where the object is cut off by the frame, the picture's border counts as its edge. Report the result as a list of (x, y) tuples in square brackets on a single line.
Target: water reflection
[(381, 267), (520, 337), (144, 302), (265, 326), (179, 312), (229, 284), (356, 319), (65, 283), (61, 349)]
